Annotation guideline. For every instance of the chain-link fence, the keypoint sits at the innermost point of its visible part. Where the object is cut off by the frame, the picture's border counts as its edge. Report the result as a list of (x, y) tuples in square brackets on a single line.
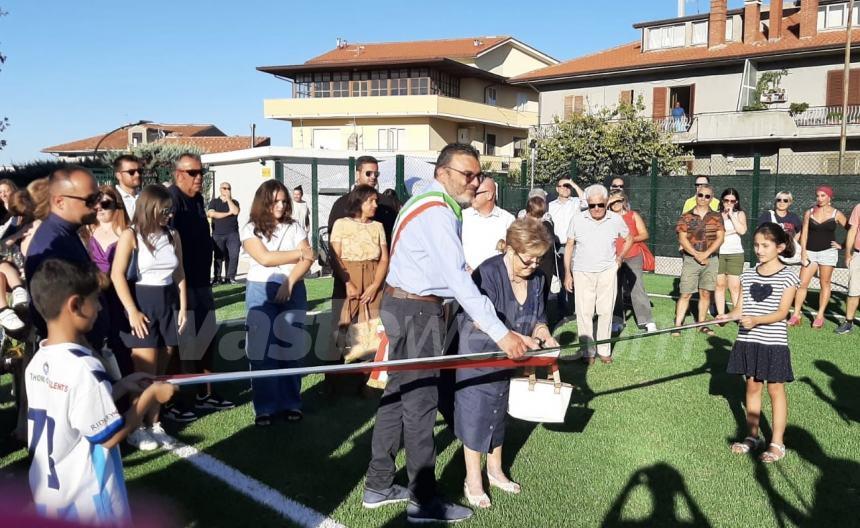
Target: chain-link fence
[(659, 198)]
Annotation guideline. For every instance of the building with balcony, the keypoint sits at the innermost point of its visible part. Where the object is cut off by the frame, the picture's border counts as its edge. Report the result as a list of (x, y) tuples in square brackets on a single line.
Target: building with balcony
[(760, 79), (412, 96)]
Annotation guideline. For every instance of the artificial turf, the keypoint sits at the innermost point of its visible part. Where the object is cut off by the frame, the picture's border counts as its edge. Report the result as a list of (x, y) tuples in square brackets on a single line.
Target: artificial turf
[(646, 443)]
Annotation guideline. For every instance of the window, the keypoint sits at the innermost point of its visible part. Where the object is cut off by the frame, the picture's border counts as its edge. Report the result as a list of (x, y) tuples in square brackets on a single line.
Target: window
[(340, 84), (136, 139), (391, 139), (378, 83), (490, 96), (833, 16), (522, 102), (420, 86), (519, 147), (700, 33), (626, 97), (361, 84), (490, 145), (322, 85), (730, 29), (666, 37), (302, 85), (399, 82)]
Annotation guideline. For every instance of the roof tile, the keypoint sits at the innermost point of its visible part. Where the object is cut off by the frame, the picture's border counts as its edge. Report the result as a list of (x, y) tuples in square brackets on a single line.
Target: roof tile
[(415, 50)]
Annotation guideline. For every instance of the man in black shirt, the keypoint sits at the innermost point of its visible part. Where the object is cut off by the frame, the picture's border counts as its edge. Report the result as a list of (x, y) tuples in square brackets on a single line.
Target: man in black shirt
[(224, 212), (197, 343), (367, 173)]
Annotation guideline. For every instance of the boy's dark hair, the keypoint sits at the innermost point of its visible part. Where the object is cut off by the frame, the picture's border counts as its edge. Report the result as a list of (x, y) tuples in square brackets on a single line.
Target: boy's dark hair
[(131, 158), (365, 160), (55, 280), (776, 234)]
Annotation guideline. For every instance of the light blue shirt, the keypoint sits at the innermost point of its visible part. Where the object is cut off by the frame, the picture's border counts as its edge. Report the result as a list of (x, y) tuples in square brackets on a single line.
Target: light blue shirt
[(428, 260)]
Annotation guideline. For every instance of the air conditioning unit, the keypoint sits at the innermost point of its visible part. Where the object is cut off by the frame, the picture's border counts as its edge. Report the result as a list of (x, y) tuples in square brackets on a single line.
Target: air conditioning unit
[(464, 136)]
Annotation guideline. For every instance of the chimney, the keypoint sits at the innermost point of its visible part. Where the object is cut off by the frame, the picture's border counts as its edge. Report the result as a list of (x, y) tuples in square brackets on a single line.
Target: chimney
[(717, 23), (774, 26), (682, 8), (752, 21), (808, 18)]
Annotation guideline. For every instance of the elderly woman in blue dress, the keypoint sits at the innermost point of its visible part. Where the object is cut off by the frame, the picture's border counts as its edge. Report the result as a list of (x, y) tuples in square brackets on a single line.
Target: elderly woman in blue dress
[(514, 284)]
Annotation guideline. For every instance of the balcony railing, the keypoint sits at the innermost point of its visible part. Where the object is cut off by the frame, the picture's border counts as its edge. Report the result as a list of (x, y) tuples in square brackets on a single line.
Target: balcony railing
[(674, 124), (826, 115)]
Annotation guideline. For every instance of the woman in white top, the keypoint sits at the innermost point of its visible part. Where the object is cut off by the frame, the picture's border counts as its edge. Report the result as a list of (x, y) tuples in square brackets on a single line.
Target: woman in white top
[(156, 303), (276, 300), (732, 251)]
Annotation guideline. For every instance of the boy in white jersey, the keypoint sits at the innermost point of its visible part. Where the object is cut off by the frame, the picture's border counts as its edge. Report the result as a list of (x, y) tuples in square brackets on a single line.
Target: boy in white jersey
[(74, 428)]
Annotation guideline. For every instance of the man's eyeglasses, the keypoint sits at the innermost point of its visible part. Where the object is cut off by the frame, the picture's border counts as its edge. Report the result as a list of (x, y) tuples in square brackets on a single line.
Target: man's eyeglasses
[(706, 196), (194, 173), (132, 172), (107, 205), (783, 200), (532, 261), (469, 175), (90, 201), (368, 174), (597, 206)]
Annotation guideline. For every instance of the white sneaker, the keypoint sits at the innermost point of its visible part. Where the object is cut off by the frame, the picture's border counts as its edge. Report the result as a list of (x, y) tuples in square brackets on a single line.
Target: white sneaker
[(157, 433), (650, 327), (142, 440), (10, 320), (20, 297)]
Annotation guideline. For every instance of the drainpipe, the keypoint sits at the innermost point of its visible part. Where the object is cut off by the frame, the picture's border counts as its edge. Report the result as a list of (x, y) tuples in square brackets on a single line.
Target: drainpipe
[(253, 135)]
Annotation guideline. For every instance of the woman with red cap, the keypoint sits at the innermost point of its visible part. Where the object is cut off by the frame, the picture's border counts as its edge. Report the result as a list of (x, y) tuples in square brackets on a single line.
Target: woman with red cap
[(819, 252)]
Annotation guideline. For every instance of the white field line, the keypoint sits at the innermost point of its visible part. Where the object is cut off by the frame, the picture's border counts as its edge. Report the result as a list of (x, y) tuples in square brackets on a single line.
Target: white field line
[(252, 488)]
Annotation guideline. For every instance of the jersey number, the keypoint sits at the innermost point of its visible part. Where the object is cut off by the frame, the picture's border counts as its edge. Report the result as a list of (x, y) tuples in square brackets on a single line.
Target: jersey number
[(40, 420)]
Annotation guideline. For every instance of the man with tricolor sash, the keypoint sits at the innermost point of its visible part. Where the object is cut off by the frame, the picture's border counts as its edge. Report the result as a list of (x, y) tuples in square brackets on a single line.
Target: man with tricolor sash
[(427, 267)]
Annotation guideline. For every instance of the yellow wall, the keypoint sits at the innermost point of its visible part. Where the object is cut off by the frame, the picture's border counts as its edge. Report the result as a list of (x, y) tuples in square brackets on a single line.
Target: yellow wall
[(417, 132), (442, 132), (509, 61)]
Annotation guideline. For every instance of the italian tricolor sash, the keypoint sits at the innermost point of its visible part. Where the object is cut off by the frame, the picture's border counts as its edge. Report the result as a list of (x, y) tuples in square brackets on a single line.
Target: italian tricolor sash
[(417, 205)]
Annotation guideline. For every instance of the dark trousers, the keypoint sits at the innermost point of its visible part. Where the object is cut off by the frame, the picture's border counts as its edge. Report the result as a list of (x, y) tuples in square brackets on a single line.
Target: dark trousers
[(408, 406), (226, 252)]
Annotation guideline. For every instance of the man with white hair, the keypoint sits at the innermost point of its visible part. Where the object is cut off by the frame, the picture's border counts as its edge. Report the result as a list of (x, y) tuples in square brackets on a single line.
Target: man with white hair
[(484, 224), (591, 263)]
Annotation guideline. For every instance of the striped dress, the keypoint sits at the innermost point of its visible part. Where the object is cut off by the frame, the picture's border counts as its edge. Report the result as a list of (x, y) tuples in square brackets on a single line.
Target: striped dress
[(762, 353)]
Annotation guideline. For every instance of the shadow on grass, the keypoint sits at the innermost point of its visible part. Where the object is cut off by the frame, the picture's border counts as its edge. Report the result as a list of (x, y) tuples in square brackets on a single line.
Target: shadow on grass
[(845, 388), (672, 504)]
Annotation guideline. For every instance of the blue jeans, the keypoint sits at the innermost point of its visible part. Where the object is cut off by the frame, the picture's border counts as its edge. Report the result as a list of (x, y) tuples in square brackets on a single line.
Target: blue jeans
[(276, 339)]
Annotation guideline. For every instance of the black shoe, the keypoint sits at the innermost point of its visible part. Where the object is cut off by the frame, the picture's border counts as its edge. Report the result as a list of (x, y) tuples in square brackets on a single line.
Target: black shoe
[(373, 499), (229, 281), (215, 282), (213, 401), (293, 415), (264, 420), (177, 414), (436, 511), (845, 328)]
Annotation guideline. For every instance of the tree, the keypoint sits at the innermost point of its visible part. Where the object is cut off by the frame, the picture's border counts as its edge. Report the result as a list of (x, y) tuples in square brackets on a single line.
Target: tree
[(609, 142), (4, 121)]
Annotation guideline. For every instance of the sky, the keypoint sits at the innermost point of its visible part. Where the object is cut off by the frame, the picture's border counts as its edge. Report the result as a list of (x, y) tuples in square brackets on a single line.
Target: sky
[(80, 68)]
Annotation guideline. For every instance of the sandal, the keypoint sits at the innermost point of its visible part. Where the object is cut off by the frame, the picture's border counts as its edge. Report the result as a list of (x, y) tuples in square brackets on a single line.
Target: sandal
[(750, 443), (769, 457), (706, 330), (794, 320), (675, 334), (818, 323), (481, 501), (509, 487)]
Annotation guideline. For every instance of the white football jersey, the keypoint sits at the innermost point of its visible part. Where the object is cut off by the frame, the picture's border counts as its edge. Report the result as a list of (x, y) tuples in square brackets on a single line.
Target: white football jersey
[(70, 413)]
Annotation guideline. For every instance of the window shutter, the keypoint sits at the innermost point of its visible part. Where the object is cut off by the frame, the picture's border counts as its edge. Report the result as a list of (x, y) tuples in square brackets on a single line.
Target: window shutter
[(834, 88), (578, 104), (568, 106), (853, 87), (626, 97), (660, 96), (692, 101)]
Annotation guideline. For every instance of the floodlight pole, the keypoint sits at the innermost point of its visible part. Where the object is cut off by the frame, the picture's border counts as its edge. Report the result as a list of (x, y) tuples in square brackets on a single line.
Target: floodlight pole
[(843, 134)]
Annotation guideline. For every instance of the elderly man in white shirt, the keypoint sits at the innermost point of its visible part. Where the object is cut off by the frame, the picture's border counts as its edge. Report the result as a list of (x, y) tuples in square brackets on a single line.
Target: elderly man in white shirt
[(591, 262), (484, 224)]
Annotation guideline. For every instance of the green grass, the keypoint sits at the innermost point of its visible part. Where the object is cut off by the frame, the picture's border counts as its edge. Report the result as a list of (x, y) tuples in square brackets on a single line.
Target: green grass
[(645, 444)]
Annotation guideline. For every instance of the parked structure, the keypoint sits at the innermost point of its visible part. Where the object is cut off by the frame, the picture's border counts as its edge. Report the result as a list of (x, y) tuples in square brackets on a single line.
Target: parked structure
[(755, 79), (412, 96)]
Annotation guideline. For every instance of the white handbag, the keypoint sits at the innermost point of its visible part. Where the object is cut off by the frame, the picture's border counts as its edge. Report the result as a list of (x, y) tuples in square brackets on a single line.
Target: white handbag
[(543, 401)]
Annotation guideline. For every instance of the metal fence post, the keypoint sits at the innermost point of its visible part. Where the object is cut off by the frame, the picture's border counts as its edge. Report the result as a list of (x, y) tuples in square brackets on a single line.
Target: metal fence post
[(502, 192), (400, 179), (279, 171), (574, 169), (524, 171), (315, 207), (751, 218), (652, 217), (351, 172)]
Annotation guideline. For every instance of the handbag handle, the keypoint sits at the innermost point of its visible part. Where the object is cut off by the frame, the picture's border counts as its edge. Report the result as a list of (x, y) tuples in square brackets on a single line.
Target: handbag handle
[(530, 371)]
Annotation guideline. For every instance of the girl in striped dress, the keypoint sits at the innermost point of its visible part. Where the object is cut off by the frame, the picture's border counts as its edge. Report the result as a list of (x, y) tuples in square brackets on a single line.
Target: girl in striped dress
[(760, 352)]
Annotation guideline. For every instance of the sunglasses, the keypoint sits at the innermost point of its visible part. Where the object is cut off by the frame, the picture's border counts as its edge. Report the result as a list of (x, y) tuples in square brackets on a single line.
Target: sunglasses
[(368, 174), (107, 205), (89, 201), (470, 176), (616, 202), (132, 172), (783, 200), (532, 261), (703, 195), (616, 186), (194, 173), (729, 200), (597, 206), (225, 188)]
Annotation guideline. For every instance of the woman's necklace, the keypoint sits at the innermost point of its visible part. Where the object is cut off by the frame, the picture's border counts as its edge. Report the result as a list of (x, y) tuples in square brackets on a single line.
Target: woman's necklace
[(509, 265)]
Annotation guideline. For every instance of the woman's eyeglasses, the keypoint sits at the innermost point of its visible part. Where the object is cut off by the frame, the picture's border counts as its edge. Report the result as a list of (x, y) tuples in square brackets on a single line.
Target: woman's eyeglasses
[(107, 205), (729, 200), (783, 200), (532, 261)]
